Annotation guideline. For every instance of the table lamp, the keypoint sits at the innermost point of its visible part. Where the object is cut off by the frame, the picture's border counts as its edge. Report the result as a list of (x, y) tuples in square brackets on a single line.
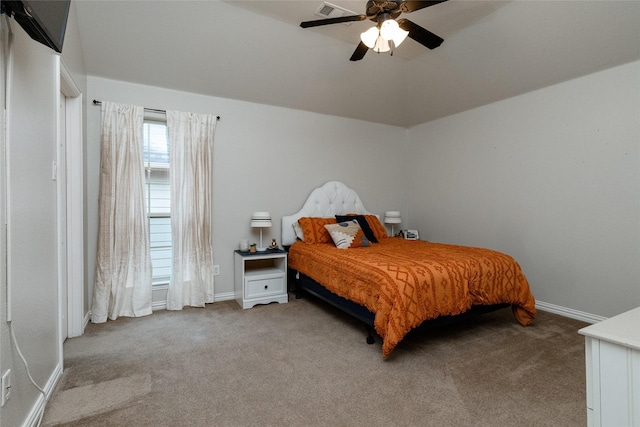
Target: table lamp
[(261, 220), (392, 217)]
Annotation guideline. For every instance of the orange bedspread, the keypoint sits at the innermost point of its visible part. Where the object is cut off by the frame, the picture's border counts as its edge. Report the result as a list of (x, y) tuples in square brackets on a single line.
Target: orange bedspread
[(406, 282)]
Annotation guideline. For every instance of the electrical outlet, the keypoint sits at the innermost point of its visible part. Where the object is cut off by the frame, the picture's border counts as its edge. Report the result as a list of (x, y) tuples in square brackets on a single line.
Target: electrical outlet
[(216, 270), (6, 386)]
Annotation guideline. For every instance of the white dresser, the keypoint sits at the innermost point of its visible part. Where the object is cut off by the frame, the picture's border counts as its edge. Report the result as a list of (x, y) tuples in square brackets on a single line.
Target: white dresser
[(613, 371)]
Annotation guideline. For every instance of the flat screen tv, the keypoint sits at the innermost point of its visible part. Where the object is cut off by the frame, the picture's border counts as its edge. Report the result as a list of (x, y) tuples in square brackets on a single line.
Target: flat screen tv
[(44, 21)]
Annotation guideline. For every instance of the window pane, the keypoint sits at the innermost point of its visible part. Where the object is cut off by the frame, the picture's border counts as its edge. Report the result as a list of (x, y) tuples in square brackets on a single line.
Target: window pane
[(156, 143), (158, 192), (158, 199), (160, 242)]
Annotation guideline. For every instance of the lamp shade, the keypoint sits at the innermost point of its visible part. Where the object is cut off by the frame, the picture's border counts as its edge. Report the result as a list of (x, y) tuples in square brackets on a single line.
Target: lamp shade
[(370, 36), (399, 36), (261, 219), (381, 45), (392, 217), (372, 39), (389, 30), (378, 38)]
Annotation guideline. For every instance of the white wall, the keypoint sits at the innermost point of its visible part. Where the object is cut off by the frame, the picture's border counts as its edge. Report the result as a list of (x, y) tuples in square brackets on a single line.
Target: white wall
[(265, 159), (551, 177), (32, 133), (71, 55), (33, 89)]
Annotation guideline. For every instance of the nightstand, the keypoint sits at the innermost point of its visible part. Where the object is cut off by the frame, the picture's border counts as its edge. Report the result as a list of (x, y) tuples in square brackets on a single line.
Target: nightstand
[(612, 355), (260, 278)]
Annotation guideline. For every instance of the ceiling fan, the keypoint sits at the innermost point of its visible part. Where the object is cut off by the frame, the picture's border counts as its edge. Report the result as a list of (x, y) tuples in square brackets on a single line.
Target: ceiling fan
[(388, 33)]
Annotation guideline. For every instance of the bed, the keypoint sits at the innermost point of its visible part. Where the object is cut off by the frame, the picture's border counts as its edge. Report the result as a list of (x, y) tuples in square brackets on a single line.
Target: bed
[(392, 284)]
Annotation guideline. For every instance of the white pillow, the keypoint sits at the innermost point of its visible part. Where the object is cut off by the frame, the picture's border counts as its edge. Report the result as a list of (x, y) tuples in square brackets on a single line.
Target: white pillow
[(297, 228)]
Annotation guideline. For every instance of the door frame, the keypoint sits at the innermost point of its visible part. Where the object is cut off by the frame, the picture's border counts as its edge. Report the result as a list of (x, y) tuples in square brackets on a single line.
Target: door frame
[(75, 205)]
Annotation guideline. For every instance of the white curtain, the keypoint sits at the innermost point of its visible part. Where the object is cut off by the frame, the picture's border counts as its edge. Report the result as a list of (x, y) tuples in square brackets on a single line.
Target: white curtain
[(191, 170), (123, 267)]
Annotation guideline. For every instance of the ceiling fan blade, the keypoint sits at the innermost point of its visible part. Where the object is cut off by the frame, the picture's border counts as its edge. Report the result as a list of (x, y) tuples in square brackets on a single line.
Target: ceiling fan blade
[(419, 34), (411, 6), (359, 53), (328, 21)]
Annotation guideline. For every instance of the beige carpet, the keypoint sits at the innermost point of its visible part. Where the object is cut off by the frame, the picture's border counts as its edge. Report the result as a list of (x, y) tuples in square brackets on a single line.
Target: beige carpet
[(305, 364)]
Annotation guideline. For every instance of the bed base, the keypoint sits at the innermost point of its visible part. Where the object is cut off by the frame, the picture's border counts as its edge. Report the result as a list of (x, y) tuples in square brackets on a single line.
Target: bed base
[(304, 284)]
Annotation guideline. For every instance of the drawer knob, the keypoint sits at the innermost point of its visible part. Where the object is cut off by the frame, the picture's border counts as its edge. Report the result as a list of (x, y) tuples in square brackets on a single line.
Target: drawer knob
[(266, 286)]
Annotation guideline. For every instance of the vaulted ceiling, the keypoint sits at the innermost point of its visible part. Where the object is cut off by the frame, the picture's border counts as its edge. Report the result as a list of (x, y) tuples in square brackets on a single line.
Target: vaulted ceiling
[(256, 51)]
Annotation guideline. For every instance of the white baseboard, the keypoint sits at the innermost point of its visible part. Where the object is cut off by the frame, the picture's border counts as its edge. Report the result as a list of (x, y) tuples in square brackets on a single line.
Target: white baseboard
[(35, 415), (159, 305), (227, 296), (569, 312)]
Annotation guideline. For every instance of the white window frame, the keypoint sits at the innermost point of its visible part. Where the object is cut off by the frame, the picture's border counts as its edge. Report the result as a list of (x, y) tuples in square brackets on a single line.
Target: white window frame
[(158, 281)]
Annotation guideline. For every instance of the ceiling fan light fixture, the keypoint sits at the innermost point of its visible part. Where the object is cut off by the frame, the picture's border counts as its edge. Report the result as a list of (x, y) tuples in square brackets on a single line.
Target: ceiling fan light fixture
[(388, 33), (399, 36), (370, 37), (388, 29), (381, 45)]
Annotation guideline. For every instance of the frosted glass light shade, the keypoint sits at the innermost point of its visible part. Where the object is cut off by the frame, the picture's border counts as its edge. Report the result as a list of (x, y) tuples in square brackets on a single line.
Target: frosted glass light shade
[(381, 45), (369, 37), (378, 39), (388, 29), (399, 36)]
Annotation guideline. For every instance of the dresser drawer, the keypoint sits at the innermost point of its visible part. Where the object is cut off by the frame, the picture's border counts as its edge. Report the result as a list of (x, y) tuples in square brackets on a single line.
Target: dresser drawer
[(258, 288)]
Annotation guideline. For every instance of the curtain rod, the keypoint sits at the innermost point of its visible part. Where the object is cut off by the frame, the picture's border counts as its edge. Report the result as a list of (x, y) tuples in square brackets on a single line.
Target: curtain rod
[(154, 110)]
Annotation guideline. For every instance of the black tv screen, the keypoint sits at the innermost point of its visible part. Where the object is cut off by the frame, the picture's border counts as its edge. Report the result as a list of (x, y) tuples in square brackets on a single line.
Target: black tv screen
[(44, 21)]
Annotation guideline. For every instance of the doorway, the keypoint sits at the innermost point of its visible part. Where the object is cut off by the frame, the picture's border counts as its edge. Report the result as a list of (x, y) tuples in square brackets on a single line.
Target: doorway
[(70, 209)]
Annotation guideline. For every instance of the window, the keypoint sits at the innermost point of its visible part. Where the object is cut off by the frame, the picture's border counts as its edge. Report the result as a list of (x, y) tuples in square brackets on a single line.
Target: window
[(158, 198)]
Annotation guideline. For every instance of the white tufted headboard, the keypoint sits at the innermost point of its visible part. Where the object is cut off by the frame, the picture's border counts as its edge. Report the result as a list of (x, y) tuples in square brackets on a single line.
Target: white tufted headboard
[(333, 198)]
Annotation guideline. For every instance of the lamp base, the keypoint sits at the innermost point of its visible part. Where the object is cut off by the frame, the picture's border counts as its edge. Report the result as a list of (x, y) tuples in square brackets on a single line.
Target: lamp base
[(261, 249)]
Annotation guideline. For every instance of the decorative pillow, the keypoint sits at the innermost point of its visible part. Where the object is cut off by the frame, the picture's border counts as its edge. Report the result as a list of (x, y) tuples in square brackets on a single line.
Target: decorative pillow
[(376, 226), (297, 228), (314, 231), (362, 221), (347, 234)]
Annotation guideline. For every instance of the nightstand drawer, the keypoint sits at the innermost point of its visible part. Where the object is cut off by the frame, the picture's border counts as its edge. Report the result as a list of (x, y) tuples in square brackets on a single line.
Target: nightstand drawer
[(257, 288)]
